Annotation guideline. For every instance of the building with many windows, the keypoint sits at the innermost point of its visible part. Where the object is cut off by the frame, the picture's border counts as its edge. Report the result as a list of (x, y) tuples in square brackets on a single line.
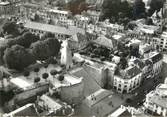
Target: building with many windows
[(156, 100), (163, 41), (7, 8), (127, 80), (58, 31)]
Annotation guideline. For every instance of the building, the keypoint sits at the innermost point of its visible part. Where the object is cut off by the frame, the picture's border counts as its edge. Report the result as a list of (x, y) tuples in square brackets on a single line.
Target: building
[(7, 8), (70, 88), (58, 31), (99, 103), (45, 14), (27, 110), (78, 41), (52, 106), (124, 111), (105, 42), (93, 14), (81, 21), (153, 64), (102, 73), (26, 91), (127, 80), (156, 100), (66, 55), (163, 41)]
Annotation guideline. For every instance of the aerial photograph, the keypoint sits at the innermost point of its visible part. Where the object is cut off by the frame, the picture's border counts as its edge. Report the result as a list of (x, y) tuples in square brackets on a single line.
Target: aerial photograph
[(83, 58)]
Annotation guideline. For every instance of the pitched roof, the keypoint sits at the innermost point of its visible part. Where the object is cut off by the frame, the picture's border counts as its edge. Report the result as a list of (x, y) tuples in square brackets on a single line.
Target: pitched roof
[(72, 30), (99, 95), (89, 78), (157, 57), (129, 73), (104, 41), (139, 63), (27, 110)]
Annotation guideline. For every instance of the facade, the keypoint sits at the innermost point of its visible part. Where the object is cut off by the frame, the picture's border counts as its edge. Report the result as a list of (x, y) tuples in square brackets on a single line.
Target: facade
[(127, 80), (153, 64), (27, 110), (70, 89), (25, 91), (156, 100), (59, 32), (7, 8), (98, 103), (53, 106), (44, 13), (163, 41)]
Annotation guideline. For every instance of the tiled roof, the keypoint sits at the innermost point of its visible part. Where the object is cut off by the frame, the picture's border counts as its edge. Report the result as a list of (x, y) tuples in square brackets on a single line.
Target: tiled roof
[(53, 28), (128, 73), (157, 99), (133, 71), (27, 110), (104, 41), (157, 58), (89, 78), (139, 63)]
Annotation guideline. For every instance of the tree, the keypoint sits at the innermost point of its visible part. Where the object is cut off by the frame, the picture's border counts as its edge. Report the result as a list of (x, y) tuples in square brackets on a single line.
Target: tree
[(128, 100), (3, 46), (139, 9), (45, 76), (10, 28), (40, 50), (77, 6), (26, 73), (155, 6), (24, 40), (36, 70), (53, 73), (37, 80), (18, 58), (27, 39), (54, 46), (61, 78), (47, 35), (46, 66), (111, 9), (43, 50)]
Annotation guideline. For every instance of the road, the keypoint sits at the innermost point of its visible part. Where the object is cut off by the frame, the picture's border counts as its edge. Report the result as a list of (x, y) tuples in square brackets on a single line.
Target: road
[(147, 86)]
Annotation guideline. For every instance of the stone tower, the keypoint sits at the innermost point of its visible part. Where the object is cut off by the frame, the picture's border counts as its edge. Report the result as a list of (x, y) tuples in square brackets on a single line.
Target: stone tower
[(66, 55)]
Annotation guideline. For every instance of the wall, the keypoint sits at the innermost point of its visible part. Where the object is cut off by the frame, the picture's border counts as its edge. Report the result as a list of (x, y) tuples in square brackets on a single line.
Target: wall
[(72, 94)]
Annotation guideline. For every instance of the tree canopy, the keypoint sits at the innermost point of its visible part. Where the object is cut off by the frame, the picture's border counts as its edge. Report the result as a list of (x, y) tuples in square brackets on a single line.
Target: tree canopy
[(111, 9), (10, 28), (43, 50), (139, 10), (77, 6), (155, 6), (18, 58)]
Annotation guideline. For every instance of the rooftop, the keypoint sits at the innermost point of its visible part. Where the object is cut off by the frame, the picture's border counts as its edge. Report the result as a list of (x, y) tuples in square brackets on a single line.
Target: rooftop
[(4, 3), (27, 110), (159, 96), (128, 73), (89, 78), (99, 95), (53, 28), (104, 41), (69, 80)]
